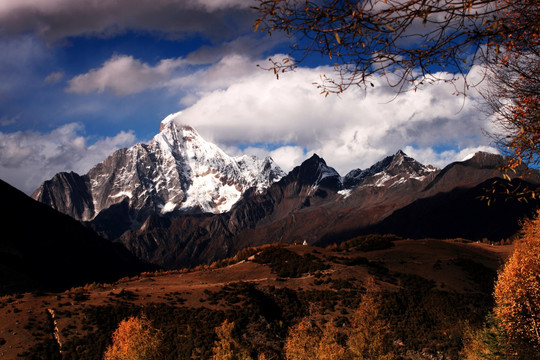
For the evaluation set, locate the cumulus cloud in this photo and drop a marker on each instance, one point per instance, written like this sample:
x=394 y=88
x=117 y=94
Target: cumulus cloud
x=29 y=158
x=124 y=75
x=288 y=156
x=247 y=111
x=58 y=19
x=441 y=159
x=350 y=131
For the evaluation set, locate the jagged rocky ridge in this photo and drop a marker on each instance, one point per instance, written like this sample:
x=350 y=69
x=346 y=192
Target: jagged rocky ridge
x=311 y=204
x=399 y=166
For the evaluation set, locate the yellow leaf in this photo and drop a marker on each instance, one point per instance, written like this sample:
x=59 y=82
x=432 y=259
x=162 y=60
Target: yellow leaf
x=257 y=23
x=338 y=39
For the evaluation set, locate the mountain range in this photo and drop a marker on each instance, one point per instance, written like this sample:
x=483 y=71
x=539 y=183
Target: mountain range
x=181 y=201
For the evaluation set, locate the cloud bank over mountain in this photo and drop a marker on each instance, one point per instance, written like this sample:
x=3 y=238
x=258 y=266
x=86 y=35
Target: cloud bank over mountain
x=26 y=158
x=105 y=74
x=286 y=119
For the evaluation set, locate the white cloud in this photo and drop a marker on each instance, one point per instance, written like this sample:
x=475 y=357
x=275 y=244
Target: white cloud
x=29 y=158
x=246 y=110
x=124 y=75
x=287 y=157
x=352 y=130
x=443 y=158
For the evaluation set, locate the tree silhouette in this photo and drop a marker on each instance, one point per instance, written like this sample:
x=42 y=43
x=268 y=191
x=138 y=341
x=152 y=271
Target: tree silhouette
x=405 y=40
x=514 y=85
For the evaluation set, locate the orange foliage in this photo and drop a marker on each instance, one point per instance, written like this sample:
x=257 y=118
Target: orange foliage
x=517 y=292
x=329 y=348
x=368 y=335
x=302 y=341
x=226 y=348
x=135 y=339
x=306 y=341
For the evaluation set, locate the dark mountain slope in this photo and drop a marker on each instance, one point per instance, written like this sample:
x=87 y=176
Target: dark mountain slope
x=470 y=173
x=460 y=213
x=43 y=249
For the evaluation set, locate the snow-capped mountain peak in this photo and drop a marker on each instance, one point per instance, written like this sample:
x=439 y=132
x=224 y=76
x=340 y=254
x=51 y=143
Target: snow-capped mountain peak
x=212 y=180
x=177 y=170
x=392 y=170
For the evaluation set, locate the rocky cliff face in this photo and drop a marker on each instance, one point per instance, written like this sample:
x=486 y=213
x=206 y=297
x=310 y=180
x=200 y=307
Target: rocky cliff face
x=178 y=171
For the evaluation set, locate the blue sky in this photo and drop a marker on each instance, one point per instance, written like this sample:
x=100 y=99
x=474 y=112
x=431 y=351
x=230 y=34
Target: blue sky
x=81 y=79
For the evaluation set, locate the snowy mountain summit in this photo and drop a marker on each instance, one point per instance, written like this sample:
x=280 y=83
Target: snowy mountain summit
x=204 y=176
x=177 y=171
x=390 y=171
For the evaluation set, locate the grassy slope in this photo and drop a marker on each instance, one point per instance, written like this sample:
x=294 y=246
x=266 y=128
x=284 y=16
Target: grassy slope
x=431 y=288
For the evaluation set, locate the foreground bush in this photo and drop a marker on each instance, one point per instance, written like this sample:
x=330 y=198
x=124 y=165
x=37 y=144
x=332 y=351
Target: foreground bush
x=517 y=293
x=135 y=339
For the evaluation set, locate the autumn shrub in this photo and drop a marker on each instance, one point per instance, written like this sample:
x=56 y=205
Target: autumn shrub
x=80 y=295
x=308 y=340
x=126 y=295
x=517 y=292
x=354 y=261
x=226 y=347
x=135 y=339
x=486 y=343
x=424 y=317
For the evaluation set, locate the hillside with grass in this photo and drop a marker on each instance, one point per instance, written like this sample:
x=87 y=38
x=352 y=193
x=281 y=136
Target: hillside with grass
x=429 y=293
